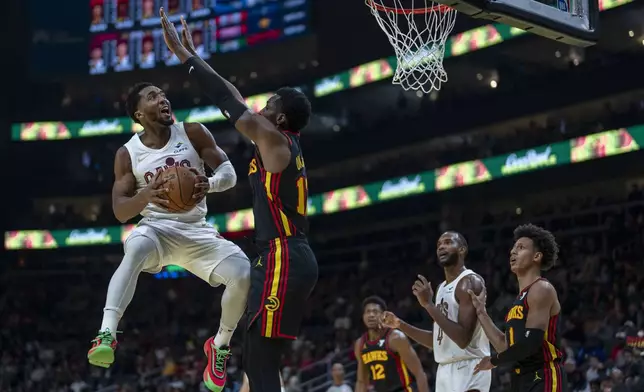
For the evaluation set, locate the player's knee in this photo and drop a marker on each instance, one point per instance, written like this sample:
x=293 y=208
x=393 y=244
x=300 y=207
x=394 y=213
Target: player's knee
x=234 y=272
x=138 y=250
x=243 y=276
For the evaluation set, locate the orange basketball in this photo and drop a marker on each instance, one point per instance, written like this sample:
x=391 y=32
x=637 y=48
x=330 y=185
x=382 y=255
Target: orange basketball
x=180 y=182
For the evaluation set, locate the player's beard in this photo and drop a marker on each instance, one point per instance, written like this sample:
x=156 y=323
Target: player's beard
x=451 y=260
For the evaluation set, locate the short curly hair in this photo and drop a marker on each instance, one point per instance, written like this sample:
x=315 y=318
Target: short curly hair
x=544 y=241
x=374 y=299
x=132 y=100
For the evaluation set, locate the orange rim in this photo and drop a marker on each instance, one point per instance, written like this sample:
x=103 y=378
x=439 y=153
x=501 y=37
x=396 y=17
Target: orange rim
x=407 y=11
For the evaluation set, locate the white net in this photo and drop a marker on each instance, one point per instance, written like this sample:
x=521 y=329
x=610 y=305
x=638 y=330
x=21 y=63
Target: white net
x=417 y=30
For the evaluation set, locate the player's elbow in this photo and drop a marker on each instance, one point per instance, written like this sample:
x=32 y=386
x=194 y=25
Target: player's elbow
x=463 y=343
x=119 y=214
x=120 y=217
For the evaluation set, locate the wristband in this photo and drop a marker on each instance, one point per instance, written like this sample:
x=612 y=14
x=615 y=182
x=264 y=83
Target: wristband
x=223 y=178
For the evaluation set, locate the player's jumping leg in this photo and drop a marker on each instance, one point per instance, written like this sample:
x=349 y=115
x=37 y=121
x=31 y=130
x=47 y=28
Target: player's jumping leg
x=262 y=359
x=120 y=292
x=234 y=272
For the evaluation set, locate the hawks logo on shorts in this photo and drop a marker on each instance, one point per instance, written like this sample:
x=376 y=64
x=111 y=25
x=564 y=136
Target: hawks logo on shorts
x=272 y=303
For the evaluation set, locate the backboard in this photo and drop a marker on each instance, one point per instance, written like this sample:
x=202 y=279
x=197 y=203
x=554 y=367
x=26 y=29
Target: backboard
x=574 y=22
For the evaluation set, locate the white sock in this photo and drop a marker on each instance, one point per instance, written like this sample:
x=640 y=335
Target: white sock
x=111 y=320
x=223 y=336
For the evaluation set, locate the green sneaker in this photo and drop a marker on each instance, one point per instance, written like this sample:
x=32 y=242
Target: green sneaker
x=214 y=376
x=102 y=351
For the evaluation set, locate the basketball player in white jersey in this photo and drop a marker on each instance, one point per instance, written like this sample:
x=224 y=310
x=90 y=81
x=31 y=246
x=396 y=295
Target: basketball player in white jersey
x=458 y=340
x=161 y=237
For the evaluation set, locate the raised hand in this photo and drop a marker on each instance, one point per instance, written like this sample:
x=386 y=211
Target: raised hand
x=171 y=38
x=423 y=291
x=390 y=320
x=186 y=38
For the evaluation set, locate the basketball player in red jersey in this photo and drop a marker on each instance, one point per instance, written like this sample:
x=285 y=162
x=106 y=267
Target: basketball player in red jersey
x=531 y=339
x=386 y=359
x=284 y=274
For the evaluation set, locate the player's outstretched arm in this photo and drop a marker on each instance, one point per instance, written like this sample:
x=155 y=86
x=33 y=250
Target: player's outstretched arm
x=421 y=336
x=400 y=344
x=223 y=176
x=126 y=203
x=272 y=145
x=362 y=382
x=541 y=298
x=496 y=337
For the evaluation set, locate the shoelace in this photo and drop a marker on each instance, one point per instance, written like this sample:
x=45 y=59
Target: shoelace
x=220 y=359
x=105 y=337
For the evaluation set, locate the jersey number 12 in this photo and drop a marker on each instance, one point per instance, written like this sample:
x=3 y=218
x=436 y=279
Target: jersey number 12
x=377 y=372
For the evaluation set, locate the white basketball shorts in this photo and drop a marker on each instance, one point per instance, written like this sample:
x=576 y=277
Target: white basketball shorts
x=198 y=247
x=459 y=377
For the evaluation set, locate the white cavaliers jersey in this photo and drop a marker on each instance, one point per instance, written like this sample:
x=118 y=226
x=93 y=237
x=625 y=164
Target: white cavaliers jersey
x=445 y=349
x=146 y=162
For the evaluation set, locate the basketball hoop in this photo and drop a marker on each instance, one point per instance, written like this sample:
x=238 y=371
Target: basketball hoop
x=418 y=31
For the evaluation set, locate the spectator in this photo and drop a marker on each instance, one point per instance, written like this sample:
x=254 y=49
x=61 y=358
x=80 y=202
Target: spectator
x=337 y=374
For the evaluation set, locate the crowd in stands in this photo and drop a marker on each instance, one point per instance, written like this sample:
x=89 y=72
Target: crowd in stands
x=49 y=316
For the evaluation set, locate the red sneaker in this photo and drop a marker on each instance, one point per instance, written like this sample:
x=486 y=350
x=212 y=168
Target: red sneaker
x=215 y=374
x=102 y=351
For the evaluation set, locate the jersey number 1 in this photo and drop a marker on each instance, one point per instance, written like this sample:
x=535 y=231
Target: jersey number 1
x=377 y=372
x=511 y=336
x=302 y=192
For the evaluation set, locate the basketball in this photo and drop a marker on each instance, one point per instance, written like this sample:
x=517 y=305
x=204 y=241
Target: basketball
x=180 y=182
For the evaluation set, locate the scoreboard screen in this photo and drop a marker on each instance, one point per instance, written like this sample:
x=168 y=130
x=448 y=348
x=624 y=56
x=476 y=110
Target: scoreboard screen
x=127 y=35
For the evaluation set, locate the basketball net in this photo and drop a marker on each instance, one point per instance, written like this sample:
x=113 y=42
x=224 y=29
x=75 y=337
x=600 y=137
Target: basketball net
x=418 y=35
